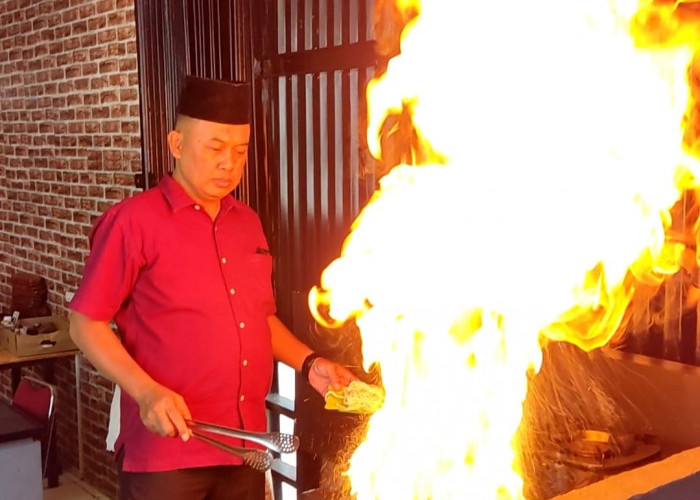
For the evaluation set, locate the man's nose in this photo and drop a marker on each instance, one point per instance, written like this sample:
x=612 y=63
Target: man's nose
x=227 y=161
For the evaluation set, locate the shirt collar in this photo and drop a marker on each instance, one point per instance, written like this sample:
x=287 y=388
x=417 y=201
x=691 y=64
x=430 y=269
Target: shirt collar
x=178 y=199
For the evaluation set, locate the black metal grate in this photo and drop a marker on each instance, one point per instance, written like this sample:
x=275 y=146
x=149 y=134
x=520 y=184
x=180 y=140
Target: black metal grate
x=206 y=38
x=312 y=62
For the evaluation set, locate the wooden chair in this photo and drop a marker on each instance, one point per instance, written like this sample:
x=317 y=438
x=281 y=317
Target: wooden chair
x=37 y=399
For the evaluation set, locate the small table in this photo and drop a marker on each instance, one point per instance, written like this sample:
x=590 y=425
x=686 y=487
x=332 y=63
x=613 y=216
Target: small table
x=11 y=361
x=20 y=455
x=14 y=362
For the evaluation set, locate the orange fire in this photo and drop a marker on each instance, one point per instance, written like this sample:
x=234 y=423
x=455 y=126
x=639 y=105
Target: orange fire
x=553 y=145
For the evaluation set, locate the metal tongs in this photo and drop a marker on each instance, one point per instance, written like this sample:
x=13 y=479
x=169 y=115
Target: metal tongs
x=257 y=459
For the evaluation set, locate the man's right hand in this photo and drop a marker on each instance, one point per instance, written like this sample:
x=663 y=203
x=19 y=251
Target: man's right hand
x=164 y=412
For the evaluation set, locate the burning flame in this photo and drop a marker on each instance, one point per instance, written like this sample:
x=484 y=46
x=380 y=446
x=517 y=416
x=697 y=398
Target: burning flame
x=549 y=138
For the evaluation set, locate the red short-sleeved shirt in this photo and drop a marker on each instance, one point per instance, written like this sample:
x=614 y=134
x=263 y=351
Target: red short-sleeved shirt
x=190 y=297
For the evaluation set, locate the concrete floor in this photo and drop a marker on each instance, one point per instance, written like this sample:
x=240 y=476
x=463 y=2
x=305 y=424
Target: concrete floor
x=71 y=488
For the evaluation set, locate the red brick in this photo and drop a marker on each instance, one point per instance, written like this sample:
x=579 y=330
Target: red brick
x=102 y=112
x=116 y=18
x=89 y=69
x=79 y=27
x=39 y=24
x=124 y=180
x=118 y=80
x=118 y=110
x=103 y=6
x=127 y=64
x=71 y=43
x=128 y=94
x=87 y=10
x=106 y=36
x=43 y=76
x=96 y=24
x=96 y=192
x=74 y=100
x=53 y=20
x=81 y=217
x=92 y=127
x=61 y=58
x=31 y=38
x=99 y=82
x=108 y=66
x=48 y=175
x=89 y=39
x=98 y=53
x=81 y=83
x=73 y=71
x=116 y=49
x=103 y=205
x=69 y=176
x=82 y=113
x=68 y=16
x=67 y=114
x=130 y=127
x=110 y=127
x=127 y=33
x=120 y=141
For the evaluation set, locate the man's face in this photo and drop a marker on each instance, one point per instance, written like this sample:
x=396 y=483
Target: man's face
x=210 y=157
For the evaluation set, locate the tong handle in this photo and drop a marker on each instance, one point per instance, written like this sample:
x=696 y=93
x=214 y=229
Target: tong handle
x=226 y=431
x=281 y=443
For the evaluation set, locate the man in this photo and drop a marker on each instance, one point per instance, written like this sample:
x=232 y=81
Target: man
x=184 y=271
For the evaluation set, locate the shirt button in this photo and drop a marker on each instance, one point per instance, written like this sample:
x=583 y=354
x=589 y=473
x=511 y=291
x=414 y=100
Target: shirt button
x=241 y=324
x=197 y=207
x=223 y=260
x=232 y=291
x=245 y=362
x=242 y=397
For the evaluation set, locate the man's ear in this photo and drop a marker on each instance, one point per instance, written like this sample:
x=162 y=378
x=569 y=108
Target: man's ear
x=175 y=143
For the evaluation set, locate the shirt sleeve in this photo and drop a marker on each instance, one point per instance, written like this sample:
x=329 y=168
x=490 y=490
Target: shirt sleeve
x=112 y=267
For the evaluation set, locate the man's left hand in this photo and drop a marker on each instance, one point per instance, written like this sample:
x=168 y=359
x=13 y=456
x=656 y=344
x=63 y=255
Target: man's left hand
x=325 y=374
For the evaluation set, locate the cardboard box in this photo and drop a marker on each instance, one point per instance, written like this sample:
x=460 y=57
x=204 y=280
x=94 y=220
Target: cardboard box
x=54 y=337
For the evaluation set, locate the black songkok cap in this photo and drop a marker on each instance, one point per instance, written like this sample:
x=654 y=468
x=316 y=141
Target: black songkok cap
x=216 y=100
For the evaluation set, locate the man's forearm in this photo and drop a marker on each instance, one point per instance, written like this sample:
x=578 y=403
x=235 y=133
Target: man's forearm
x=285 y=346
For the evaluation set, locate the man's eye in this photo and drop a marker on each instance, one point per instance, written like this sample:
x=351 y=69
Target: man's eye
x=215 y=149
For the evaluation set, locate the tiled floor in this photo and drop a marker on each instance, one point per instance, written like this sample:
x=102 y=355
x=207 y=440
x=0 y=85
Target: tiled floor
x=71 y=488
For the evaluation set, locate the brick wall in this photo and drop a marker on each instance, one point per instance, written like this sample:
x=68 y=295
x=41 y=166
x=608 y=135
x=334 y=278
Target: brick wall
x=69 y=148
